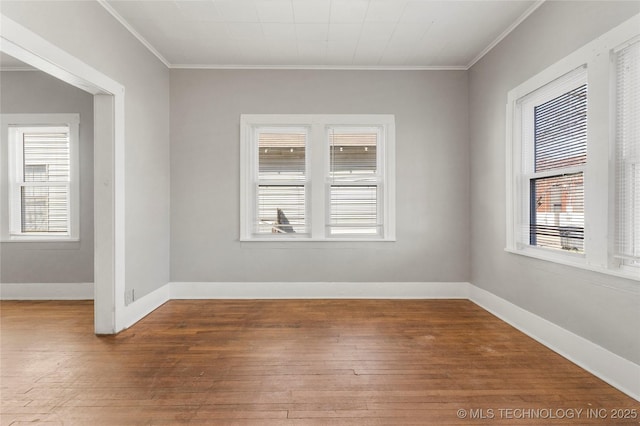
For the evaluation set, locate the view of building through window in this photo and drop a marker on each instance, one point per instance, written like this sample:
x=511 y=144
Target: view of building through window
x=353 y=175
x=557 y=192
x=281 y=175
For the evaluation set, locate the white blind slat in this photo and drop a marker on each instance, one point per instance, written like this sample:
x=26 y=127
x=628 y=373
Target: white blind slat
x=353 y=154
x=354 y=210
x=353 y=158
x=46 y=176
x=627 y=242
x=281 y=209
x=280 y=190
x=281 y=155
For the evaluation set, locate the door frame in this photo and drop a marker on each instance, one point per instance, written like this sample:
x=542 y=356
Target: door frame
x=109 y=171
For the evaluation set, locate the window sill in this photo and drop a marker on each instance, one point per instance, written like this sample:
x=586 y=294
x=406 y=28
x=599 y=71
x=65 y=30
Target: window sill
x=315 y=244
x=39 y=239
x=316 y=240
x=576 y=261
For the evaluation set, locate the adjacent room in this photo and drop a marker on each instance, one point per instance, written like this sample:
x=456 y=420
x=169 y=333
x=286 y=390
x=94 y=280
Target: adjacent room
x=319 y=212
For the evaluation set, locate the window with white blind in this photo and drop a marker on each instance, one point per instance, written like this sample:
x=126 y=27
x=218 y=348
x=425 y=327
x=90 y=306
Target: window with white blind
x=567 y=200
x=627 y=134
x=355 y=181
x=317 y=177
x=554 y=156
x=42 y=177
x=281 y=181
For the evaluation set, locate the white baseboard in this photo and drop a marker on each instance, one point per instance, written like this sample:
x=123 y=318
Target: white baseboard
x=46 y=291
x=319 y=290
x=620 y=373
x=142 y=307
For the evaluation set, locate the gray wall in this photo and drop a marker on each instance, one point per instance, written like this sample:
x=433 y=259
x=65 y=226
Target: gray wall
x=432 y=180
x=68 y=262
x=601 y=308
x=87 y=31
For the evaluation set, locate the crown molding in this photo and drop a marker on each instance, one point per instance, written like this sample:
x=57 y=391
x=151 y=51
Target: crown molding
x=9 y=69
x=506 y=32
x=168 y=64
x=319 y=67
x=136 y=34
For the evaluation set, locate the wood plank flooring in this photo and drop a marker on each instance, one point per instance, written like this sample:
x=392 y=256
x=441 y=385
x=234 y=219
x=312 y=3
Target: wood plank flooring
x=291 y=362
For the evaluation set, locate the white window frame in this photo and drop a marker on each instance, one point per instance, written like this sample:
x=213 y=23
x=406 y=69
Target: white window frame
x=11 y=126
x=524 y=118
x=317 y=184
x=599 y=172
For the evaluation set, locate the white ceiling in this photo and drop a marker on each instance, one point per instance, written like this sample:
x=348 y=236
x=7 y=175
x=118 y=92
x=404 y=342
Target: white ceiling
x=398 y=34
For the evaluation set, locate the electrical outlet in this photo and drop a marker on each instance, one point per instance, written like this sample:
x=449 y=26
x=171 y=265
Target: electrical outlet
x=129 y=296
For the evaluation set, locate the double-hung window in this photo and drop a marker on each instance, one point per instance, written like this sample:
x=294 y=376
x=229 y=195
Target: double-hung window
x=42 y=172
x=554 y=156
x=317 y=177
x=573 y=158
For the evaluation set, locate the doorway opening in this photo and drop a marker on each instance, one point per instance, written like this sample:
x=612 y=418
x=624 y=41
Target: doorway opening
x=108 y=106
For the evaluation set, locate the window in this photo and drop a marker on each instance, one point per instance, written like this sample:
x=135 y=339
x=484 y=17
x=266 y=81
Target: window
x=355 y=181
x=317 y=177
x=281 y=182
x=42 y=177
x=567 y=202
x=554 y=139
x=627 y=92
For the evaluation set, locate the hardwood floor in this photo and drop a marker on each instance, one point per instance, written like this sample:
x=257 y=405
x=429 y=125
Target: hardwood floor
x=290 y=362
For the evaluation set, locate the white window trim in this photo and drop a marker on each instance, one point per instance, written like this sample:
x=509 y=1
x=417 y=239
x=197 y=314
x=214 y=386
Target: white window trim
x=317 y=172
x=599 y=178
x=9 y=212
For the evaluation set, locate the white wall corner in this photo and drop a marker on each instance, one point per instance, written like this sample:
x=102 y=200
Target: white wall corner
x=620 y=373
x=46 y=291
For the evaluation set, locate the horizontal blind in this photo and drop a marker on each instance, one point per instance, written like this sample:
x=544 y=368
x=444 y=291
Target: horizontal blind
x=46 y=157
x=354 y=210
x=354 y=182
x=557 y=204
x=628 y=153
x=281 y=155
x=46 y=172
x=280 y=189
x=560 y=127
x=556 y=216
x=281 y=209
x=353 y=154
